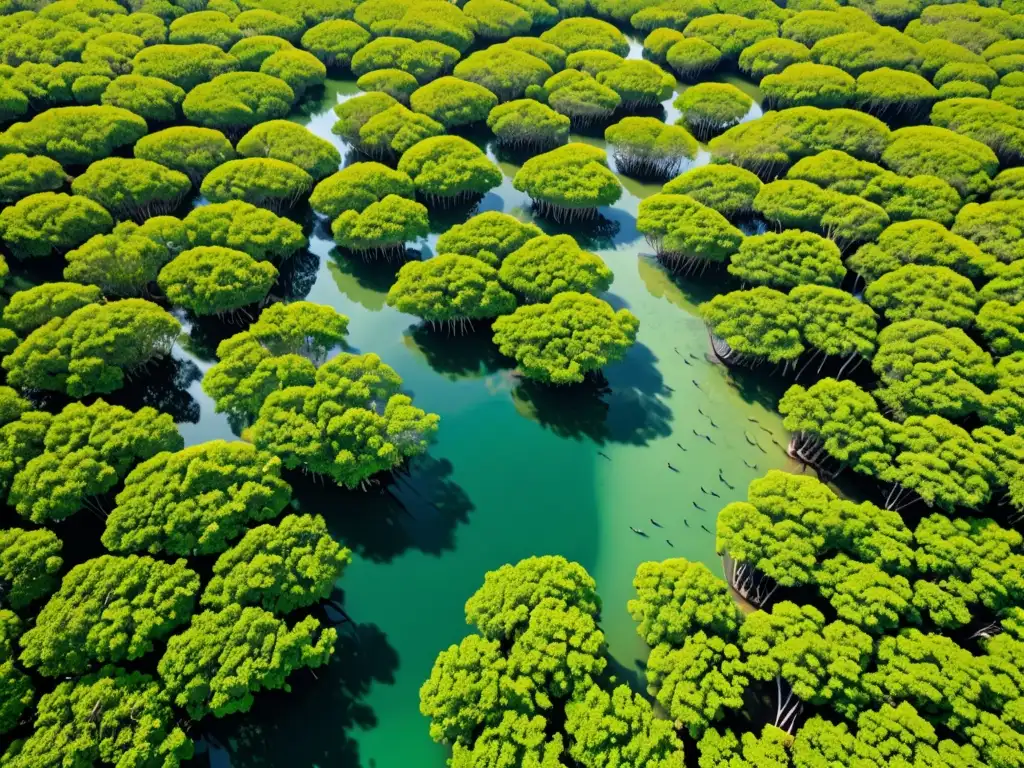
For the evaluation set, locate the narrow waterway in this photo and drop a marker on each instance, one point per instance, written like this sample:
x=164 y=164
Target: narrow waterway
x=517 y=470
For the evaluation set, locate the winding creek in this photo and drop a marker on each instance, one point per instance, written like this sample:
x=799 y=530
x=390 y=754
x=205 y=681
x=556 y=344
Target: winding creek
x=516 y=470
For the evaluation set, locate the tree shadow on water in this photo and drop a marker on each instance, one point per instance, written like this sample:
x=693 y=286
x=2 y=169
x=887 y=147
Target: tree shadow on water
x=297 y=276
x=164 y=386
x=625 y=406
x=419 y=508
x=365 y=281
x=470 y=355
x=310 y=725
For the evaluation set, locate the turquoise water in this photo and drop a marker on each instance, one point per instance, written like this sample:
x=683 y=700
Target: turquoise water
x=516 y=470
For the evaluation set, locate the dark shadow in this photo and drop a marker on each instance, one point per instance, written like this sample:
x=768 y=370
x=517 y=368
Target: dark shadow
x=326 y=700
x=761 y=384
x=418 y=508
x=470 y=355
x=444 y=217
x=164 y=386
x=626 y=406
x=597 y=233
x=370 y=280
x=206 y=333
x=296 y=276
x=698 y=287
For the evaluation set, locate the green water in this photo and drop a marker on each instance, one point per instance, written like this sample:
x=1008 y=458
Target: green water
x=515 y=471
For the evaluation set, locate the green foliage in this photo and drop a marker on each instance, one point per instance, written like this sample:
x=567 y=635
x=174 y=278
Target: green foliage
x=690 y=57
x=995 y=227
x=1001 y=325
x=586 y=34
x=619 y=729
x=91 y=349
x=865 y=595
x=730 y=33
x=966 y=71
x=299 y=69
x=810 y=26
x=698 y=682
x=154 y=99
x=357 y=186
x=450 y=288
x=354 y=113
x=771 y=56
x=273 y=184
x=251 y=52
x=193 y=151
x=528 y=123
x=918 y=242
x=12 y=405
x=424 y=60
x=264 y=22
x=349 y=425
x=497 y=19
x=775 y=141
x=966 y=164
x=725 y=188
x=684 y=231
x=395 y=83
x=279 y=568
x=857 y=52
x=108 y=609
x=210 y=27
x=1007 y=285
x=645 y=146
x=833 y=321
x=996 y=125
x=756 y=324
x=111 y=717
x=577 y=95
x=926 y=293
x=186 y=66
x=36 y=306
x=809 y=84
x=707 y=109
x=396 y=130
x=299 y=328
x=21 y=175
x=133 y=188
x=242 y=226
x=489 y=237
x=546 y=52
x=436 y=20
x=204 y=665
x=382 y=227
x=568 y=180
x=235 y=101
x=126 y=261
x=845 y=218
x=677 y=597
x=640 y=84
x=548 y=265
x=563 y=341
x=503 y=70
x=926 y=368
x=212 y=280
x=453 y=102
x=788 y=259
x=77 y=135
x=501 y=608
x=293 y=143
x=29 y=563
x=196 y=500
x=449 y=168
x=334 y=42
x=45 y=222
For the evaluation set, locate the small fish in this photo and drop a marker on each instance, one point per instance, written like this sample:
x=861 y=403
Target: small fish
x=676 y=349
x=698 y=506
x=655 y=522
x=669 y=388
x=705 y=527
x=703 y=490
x=714 y=494
x=751 y=418
x=712 y=422
x=708 y=438
x=637 y=531
x=701 y=412
x=729 y=486
x=776 y=442
x=763 y=450
x=749 y=465
x=680 y=447
x=671 y=467
x=698 y=434
x=602 y=453
x=687 y=522
x=749 y=439
x=670 y=543
x=696 y=384
x=687 y=361
x=765 y=429
x=693 y=356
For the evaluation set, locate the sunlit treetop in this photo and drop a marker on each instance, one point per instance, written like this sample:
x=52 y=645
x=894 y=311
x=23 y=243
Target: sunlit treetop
x=919 y=242
x=568 y=181
x=547 y=52
x=213 y=280
x=353 y=113
x=193 y=151
x=263 y=22
x=772 y=55
x=639 y=83
x=453 y=102
x=593 y=62
x=449 y=169
x=995 y=227
x=184 y=65
x=809 y=84
x=578 y=95
x=245 y=227
x=548 y=265
x=857 y=52
x=1008 y=185
x=132 y=188
x=395 y=83
x=212 y=27
x=273 y=184
x=645 y=146
x=301 y=70
x=77 y=135
x=833 y=321
x=21 y=175
x=236 y=101
x=357 y=186
x=728 y=189
x=382 y=228
x=755 y=324
x=580 y=34
x=689 y=57
x=45 y=222
x=993 y=123
x=888 y=91
x=730 y=33
x=291 y=142
x=707 y=109
x=810 y=26
x=528 y=123
x=251 y=51
x=424 y=60
x=563 y=341
x=335 y=41
x=394 y=131
x=925 y=292
x=503 y=70
x=966 y=164
x=686 y=232
x=451 y=290
x=29 y=564
x=31 y=308
x=788 y=259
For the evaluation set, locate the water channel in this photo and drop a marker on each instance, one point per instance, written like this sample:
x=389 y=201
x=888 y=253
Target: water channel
x=516 y=470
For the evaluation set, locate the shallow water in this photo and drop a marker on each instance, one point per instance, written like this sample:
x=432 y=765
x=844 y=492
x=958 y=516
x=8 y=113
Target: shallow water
x=516 y=470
